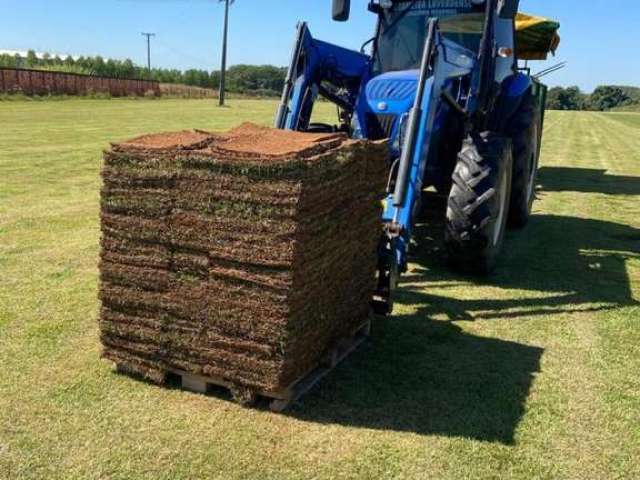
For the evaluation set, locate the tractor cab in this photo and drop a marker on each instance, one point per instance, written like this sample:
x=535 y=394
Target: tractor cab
x=401 y=31
x=398 y=46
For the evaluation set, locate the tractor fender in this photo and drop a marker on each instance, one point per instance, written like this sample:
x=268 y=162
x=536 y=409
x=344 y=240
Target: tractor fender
x=517 y=85
x=514 y=89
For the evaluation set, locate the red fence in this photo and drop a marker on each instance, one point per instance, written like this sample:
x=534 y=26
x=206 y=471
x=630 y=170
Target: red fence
x=39 y=82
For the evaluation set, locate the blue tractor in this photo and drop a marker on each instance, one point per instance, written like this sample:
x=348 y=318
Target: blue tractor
x=443 y=85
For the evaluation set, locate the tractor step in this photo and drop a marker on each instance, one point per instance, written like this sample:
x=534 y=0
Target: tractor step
x=282 y=399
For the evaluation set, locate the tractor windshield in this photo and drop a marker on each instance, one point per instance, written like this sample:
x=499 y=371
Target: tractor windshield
x=403 y=31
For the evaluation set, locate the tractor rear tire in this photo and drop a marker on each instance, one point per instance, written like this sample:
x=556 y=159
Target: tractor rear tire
x=478 y=205
x=523 y=128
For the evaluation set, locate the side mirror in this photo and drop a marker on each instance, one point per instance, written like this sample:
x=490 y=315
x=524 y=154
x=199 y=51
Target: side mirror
x=508 y=8
x=340 y=10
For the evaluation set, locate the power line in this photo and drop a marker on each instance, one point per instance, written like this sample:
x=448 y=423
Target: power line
x=179 y=53
x=148 y=35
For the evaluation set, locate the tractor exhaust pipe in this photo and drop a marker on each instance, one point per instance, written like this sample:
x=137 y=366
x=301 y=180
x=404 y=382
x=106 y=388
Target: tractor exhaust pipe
x=283 y=108
x=408 y=147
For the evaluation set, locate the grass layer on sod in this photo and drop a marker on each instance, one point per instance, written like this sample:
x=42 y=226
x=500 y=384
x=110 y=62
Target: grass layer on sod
x=205 y=310
x=532 y=373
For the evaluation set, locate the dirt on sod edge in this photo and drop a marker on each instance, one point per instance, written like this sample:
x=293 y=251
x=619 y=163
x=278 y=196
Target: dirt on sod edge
x=243 y=256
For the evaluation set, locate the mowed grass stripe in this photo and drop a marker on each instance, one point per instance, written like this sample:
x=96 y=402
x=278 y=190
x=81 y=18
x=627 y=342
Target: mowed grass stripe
x=528 y=374
x=608 y=151
x=629 y=119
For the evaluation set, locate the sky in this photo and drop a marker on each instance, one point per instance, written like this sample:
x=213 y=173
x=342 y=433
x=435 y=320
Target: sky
x=600 y=38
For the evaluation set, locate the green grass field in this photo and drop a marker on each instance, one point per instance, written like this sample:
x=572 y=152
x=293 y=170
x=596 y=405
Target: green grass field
x=532 y=373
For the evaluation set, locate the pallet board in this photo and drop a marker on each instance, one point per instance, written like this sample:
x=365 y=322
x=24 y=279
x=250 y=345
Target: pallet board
x=283 y=399
x=342 y=350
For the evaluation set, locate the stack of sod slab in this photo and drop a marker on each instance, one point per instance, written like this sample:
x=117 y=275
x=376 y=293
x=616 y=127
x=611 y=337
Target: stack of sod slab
x=242 y=256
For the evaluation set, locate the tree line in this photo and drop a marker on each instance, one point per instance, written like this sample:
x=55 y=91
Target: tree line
x=269 y=80
x=250 y=79
x=603 y=98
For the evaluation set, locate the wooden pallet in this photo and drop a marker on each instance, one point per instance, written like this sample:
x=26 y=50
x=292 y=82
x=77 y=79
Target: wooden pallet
x=342 y=350
x=280 y=400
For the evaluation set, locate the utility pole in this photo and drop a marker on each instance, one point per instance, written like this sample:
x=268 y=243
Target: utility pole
x=148 y=35
x=223 y=69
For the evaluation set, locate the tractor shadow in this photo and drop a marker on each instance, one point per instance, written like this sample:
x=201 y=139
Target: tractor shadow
x=568 y=264
x=587 y=180
x=423 y=374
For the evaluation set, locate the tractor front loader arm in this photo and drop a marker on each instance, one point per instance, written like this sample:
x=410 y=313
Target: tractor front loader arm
x=292 y=74
x=415 y=118
x=442 y=61
x=314 y=64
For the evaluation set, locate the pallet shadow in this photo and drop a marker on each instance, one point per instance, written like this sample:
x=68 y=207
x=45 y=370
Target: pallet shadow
x=430 y=378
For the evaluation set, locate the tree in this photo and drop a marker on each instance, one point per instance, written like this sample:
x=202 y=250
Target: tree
x=192 y=77
x=214 y=79
x=9 y=61
x=32 y=58
x=127 y=69
x=553 y=98
x=570 y=98
x=607 y=97
x=97 y=65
